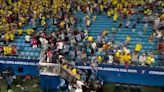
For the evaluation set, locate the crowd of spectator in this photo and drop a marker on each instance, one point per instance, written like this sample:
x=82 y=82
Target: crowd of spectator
x=75 y=43
x=81 y=81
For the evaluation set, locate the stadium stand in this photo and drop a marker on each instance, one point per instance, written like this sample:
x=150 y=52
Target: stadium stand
x=118 y=32
x=126 y=29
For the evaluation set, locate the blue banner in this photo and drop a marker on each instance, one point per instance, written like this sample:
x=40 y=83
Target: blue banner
x=132 y=75
x=19 y=61
x=30 y=67
x=110 y=73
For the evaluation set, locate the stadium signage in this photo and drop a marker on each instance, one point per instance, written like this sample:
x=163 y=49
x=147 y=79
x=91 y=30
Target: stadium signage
x=18 y=62
x=156 y=73
x=109 y=69
x=124 y=70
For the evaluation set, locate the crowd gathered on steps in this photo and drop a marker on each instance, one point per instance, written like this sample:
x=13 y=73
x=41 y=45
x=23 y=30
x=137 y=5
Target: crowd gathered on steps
x=80 y=81
x=75 y=43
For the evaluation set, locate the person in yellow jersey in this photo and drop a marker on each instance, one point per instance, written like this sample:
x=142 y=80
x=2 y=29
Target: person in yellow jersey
x=101 y=7
x=138 y=47
x=90 y=38
x=114 y=2
x=65 y=66
x=122 y=60
x=29 y=31
x=115 y=17
x=62 y=24
x=68 y=7
x=20 y=31
x=125 y=11
x=109 y=13
x=7 y=37
x=5 y=48
x=22 y=19
x=150 y=60
x=94 y=18
x=12 y=36
x=9 y=50
x=74 y=71
x=117 y=57
x=99 y=59
x=43 y=21
x=78 y=75
x=20 y=24
x=128 y=39
x=162 y=16
x=127 y=58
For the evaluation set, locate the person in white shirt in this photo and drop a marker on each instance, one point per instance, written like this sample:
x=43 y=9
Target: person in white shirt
x=78 y=89
x=44 y=43
x=159 y=34
x=88 y=10
x=60 y=45
x=88 y=22
x=27 y=38
x=86 y=34
x=145 y=27
x=142 y=59
x=94 y=45
x=110 y=61
x=152 y=59
x=156 y=23
x=79 y=86
x=78 y=37
x=127 y=24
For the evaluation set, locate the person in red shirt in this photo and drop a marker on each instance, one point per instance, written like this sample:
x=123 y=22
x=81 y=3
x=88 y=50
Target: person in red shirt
x=49 y=56
x=43 y=35
x=34 y=43
x=14 y=50
x=1 y=49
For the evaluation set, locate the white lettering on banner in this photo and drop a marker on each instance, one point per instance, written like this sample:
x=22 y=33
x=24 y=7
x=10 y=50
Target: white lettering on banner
x=156 y=72
x=9 y=62
x=18 y=62
x=2 y=61
x=109 y=69
x=84 y=67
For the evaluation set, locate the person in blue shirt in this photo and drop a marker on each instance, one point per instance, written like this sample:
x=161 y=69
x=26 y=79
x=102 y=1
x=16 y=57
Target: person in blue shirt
x=62 y=86
x=8 y=81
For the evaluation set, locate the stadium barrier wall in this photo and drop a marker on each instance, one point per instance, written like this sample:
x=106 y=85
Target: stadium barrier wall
x=110 y=73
